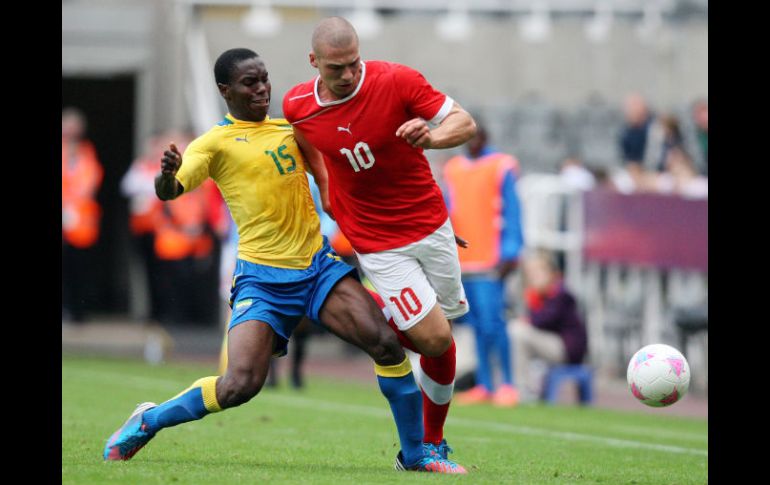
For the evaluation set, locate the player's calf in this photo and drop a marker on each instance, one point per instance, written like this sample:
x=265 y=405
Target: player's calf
x=238 y=387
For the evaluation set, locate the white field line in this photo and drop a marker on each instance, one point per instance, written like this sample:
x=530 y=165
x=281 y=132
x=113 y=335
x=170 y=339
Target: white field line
x=172 y=386
x=659 y=433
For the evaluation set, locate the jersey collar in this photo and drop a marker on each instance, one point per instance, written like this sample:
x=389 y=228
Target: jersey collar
x=339 y=101
x=231 y=120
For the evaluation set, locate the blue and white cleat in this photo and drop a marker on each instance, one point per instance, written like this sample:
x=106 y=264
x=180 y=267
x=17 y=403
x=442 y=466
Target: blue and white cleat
x=131 y=437
x=430 y=463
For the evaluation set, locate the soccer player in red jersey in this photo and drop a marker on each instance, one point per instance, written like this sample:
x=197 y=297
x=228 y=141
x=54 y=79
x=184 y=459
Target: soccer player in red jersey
x=371 y=122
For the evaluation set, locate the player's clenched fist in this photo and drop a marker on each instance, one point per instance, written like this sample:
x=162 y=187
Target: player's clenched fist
x=171 y=160
x=416 y=132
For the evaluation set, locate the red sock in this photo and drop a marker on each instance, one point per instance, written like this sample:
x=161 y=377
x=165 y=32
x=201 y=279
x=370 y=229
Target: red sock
x=441 y=370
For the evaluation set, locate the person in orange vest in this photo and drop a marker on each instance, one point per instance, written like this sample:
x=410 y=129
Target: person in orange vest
x=82 y=176
x=484 y=208
x=138 y=185
x=184 y=238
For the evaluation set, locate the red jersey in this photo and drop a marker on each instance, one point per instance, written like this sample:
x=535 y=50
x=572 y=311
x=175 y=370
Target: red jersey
x=382 y=191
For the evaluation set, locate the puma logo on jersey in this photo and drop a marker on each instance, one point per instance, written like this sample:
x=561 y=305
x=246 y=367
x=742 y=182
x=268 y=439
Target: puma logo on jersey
x=339 y=128
x=245 y=138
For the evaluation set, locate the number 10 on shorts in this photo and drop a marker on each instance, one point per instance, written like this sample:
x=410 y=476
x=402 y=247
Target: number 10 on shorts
x=408 y=302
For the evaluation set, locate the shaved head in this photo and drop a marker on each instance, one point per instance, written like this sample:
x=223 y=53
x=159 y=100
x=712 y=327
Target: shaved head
x=334 y=32
x=335 y=55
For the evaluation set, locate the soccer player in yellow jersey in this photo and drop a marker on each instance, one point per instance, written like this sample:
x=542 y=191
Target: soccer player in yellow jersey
x=285 y=268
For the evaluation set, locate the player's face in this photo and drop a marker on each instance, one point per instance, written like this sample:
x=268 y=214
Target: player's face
x=248 y=93
x=339 y=68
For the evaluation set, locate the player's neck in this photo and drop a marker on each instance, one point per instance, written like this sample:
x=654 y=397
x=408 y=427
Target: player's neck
x=246 y=117
x=325 y=94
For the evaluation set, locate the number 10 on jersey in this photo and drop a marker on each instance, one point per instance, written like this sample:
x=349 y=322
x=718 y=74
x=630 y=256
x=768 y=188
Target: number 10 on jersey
x=360 y=157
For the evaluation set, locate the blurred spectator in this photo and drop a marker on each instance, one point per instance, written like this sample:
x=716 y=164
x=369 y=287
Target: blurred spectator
x=138 y=186
x=641 y=138
x=553 y=329
x=492 y=225
x=629 y=179
x=603 y=179
x=575 y=175
x=681 y=178
x=633 y=138
x=82 y=176
x=700 y=115
x=672 y=139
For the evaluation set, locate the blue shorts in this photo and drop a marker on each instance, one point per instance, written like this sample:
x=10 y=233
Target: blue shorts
x=280 y=297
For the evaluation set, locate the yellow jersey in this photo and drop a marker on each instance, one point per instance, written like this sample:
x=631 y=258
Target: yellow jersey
x=260 y=172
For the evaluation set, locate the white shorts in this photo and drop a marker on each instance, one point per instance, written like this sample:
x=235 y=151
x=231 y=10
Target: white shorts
x=412 y=278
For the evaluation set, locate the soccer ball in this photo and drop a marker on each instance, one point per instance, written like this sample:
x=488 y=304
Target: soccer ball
x=658 y=375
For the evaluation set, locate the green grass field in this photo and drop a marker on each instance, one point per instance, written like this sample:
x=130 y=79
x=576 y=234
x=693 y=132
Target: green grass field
x=338 y=433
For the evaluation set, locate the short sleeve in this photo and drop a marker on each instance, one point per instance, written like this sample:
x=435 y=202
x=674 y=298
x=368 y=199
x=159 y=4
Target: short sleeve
x=420 y=98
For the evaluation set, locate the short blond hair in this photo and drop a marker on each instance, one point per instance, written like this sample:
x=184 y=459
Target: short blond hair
x=334 y=32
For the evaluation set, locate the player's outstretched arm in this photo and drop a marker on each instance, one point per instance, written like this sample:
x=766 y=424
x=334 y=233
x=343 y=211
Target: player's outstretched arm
x=167 y=187
x=315 y=165
x=455 y=129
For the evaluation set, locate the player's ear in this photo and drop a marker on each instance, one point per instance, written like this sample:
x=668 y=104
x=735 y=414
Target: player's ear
x=313 y=60
x=224 y=89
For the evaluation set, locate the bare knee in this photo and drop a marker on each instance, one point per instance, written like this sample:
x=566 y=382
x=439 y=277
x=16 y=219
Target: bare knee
x=385 y=348
x=435 y=344
x=432 y=335
x=238 y=387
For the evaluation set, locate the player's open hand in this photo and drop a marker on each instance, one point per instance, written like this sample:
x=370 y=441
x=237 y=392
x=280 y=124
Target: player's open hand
x=416 y=132
x=171 y=160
